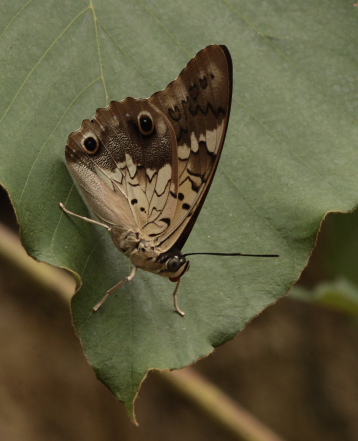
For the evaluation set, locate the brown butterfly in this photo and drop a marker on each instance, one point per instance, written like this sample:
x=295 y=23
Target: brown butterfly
x=145 y=166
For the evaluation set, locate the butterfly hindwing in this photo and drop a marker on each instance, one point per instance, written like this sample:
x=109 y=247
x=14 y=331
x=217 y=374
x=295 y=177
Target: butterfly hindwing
x=128 y=179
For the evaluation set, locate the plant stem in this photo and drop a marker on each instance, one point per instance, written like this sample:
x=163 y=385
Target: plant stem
x=212 y=401
x=45 y=275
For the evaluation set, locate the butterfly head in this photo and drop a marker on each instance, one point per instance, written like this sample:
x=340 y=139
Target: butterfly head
x=149 y=257
x=174 y=264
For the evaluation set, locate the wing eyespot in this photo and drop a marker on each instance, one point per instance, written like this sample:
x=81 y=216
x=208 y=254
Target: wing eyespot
x=90 y=145
x=146 y=123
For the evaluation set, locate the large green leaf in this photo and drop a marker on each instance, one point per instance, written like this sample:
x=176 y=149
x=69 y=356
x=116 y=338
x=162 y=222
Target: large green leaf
x=290 y=156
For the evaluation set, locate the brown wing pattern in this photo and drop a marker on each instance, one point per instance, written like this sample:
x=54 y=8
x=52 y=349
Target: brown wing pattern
x=128 y=180
x=152 y=175
x=197 y=105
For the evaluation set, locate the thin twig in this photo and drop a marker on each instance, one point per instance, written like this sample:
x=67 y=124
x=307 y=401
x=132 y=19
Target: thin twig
x=219 y=406
x=45 y=275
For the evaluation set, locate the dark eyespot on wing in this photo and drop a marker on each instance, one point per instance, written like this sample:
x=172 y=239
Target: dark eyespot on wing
x=186 y=206
x=91 y=144
x=146 y=125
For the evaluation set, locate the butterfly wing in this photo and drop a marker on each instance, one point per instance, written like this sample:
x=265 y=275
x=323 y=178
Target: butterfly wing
x=197 y=104
x=147 y=165
x=124 y=175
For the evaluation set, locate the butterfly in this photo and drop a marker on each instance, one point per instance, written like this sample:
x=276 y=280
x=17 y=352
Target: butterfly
x=145 y=166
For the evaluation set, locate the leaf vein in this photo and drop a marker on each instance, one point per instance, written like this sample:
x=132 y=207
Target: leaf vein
x=43 y=56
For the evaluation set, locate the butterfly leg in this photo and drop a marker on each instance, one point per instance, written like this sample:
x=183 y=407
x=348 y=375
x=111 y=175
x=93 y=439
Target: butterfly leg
x=175 y=295
x=115 y=287
x=91 y=221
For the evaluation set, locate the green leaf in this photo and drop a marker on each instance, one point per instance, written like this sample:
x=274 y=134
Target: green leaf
x=290 y=157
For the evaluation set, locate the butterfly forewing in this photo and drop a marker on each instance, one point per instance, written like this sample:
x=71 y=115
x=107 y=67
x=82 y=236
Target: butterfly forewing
x=197 y=105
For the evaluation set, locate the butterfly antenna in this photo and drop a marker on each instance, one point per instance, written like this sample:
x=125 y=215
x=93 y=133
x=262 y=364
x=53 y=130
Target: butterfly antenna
x=232 y=254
